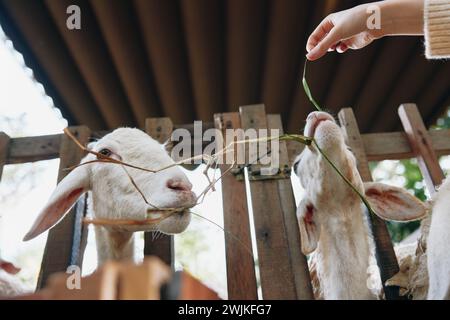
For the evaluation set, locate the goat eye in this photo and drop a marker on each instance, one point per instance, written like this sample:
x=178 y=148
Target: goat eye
x=105 y=152
x=296 y=166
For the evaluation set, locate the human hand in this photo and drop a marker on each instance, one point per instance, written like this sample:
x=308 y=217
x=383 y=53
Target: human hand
x=341 y=31
x=355 y=29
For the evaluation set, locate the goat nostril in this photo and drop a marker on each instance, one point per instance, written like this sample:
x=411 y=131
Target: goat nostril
x=179 y=185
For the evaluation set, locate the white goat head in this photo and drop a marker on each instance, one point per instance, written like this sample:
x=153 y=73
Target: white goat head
x=326 y=193
x=113 y=195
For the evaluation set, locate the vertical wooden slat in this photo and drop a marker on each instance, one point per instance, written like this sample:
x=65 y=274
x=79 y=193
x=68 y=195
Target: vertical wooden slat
x=421 y=145
x=159 y=129
x=277 y=275
x=241 y=279
x=386 y=259
x=4 y=147
x=59 y=248
x=288 y=206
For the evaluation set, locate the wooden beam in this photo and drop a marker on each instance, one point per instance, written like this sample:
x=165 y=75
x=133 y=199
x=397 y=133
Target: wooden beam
x=29 y=149
x=241 y=279
x=378 y=146
x=58 y=252
x=421 y=145
x=386 y=259
x=278 y=280
x=159 y=129
x=4 y=147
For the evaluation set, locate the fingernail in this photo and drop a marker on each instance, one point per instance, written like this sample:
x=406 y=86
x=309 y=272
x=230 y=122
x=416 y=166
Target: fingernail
x=310 y=56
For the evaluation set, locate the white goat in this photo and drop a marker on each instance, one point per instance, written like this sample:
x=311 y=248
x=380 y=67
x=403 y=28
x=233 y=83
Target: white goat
x=425 y=273
x=10 y=286
x=331 y=217
x=438 y=245
x=114 y=197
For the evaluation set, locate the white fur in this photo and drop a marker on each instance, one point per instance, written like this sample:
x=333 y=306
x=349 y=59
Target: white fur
x=331 y=216
x=10 y=285
x=343 y=248
x=439 y=245
x=112 y=195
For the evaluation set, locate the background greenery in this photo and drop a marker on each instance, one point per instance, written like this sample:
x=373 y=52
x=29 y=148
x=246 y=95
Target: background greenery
x=412 y=181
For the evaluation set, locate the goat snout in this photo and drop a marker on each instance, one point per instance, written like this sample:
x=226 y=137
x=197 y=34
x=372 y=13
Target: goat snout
x=179 y=185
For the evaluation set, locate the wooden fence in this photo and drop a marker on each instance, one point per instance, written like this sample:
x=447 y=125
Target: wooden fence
x=282 y=267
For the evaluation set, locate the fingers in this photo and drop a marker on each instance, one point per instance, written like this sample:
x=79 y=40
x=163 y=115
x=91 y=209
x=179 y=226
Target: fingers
x=319 y=33
x=330 y=40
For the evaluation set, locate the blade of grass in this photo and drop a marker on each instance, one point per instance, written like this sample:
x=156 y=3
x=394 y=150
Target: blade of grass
x=308 y=90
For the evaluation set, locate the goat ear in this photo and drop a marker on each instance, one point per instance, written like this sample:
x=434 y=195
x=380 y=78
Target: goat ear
x=309 y=228
x=63 y=198
x=393 y=203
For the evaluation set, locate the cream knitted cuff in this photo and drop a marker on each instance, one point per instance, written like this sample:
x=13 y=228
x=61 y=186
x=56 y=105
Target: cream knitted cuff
x=437 y=29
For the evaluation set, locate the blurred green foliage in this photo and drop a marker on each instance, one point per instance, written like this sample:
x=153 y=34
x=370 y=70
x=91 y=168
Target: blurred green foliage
x=414 y=183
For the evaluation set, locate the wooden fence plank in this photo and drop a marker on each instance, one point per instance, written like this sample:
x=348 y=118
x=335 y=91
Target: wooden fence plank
x=59 y=248
x=386 y=259
x=421 y=145
x=29 y=149
x=277 y=276
x=4 y=149
x=241 y=279
x=159 y=129
x=378 y=146
x=289 y=208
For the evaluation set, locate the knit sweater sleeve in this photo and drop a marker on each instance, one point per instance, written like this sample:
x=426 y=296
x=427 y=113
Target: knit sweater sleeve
x=437 y=29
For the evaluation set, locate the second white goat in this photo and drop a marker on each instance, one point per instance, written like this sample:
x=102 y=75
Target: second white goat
x=331 y=215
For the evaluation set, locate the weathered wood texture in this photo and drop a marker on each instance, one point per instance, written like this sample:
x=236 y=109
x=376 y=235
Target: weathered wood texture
x=278 y=280
x=149 y=280
x=421 y=145
x=4 y=147
x=59 y=249
x=241 y=279
x=386 y=259
x=159 y=129
x=378 y=146
x=289 y=208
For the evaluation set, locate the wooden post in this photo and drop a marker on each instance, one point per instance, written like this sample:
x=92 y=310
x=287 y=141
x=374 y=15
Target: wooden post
x=4 y=149
x=270 y=211
x=159 y=129
x=60 y=250
x=385 y=254
x=241 y=279
x=421 y=146
x=289 y=208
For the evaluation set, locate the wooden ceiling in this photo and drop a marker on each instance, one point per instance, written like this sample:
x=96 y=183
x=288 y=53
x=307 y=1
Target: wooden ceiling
x=189 y=59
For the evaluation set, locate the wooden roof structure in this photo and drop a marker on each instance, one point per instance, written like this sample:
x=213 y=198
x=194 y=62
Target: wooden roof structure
x=190 y=59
